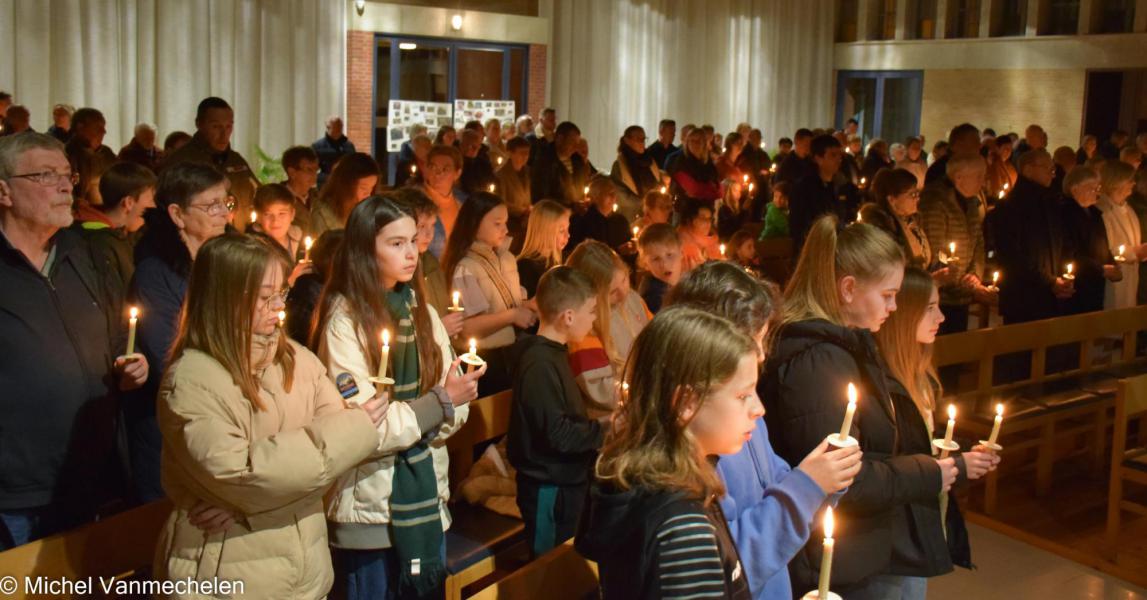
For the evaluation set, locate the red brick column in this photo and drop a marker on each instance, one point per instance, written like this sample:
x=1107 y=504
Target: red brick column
x=537 y=84
x=360 y=89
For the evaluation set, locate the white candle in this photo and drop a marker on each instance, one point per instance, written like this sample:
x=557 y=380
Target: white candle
x=751 y=186
x=951 y=425
x=131 y=322
x=722 y=250
x=848 y=413
x=636 y=230
x=826 y=560
x=307 y=243
x=585 y=191
x=952 y=249
x=499 y=161
x=1122 y=249
x=492 y=188
x=385 y=354
x=1069 y=275
x=413 y=169
x=457 y=298
x=282 y=318
x=863 y=181
x=473 y=347
x=614 y=207
x=996 y=425
x=1001 y=194
x=254 y=217
x=995 y=278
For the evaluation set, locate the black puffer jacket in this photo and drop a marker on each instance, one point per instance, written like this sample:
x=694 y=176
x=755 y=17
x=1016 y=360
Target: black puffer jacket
x=804 y=391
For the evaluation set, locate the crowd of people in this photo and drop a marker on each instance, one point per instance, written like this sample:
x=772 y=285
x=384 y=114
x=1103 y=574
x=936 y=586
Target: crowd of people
x=175 y=328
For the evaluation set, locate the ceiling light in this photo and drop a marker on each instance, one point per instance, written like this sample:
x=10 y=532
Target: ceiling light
x=408 y=46
x=456 y=22
x=360 y=6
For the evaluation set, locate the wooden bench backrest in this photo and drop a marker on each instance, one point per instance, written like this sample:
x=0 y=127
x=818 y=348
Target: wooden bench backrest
x=489 y=418
x=1130 y=402
x=560 y=574
x=982 y=345
x=114 y=547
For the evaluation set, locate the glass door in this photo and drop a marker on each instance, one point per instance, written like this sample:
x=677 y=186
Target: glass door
x=886 y=104
x=439 y=70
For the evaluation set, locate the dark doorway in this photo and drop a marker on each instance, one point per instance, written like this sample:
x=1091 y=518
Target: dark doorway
x=1104 y=91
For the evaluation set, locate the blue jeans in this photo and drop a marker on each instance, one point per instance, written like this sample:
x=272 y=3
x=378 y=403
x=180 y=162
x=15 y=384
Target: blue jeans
x=368 y=574
x=20 y=526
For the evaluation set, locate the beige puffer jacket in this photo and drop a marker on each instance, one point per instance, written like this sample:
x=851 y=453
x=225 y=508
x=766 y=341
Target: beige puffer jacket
x=271 y=468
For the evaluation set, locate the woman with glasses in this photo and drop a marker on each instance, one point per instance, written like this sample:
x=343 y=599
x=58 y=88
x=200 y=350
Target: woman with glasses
x=254 y=433
x=893 y=209
x=443 y=168
x=192 y=207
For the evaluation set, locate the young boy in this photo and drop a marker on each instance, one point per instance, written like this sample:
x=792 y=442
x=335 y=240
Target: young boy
x=551 y=441
x=660 y=252
x=127 y=190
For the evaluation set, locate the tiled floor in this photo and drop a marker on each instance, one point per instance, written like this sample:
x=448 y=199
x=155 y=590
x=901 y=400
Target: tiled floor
x=1012 y=570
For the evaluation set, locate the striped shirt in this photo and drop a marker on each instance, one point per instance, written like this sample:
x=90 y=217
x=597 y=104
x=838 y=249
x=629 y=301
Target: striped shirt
x=695 y=558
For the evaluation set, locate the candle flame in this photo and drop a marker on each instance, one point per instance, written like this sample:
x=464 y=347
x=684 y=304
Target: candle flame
x=254 y=216
x=492 y=188
x=1006 y=186
x=134 y=312
x=995 y=277
x=829 y=522
x=473 y=346
x=1001 y=194
x=386 y=337
x=499 y=161
x=862 y=180
x=722 y=249
x=457 y=297
x=1070 y=266
x=1121 y=249
x=585 y=190
x=308 y=242
x=999 y=410
x=773 y=169
x=751 y=188
x=851 y=393
x=282 y=317
x=636 y=229
x=664 y=189
x=951 y=412
x=413 y=169
x=614 y=207
x=952 y=247
x=625 y=387
x=745 y=179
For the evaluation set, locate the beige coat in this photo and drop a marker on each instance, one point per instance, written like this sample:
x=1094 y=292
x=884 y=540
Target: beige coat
x=271 y=468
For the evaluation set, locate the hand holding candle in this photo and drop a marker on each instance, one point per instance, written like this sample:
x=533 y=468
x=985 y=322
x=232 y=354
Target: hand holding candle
x=1122 y=256
x=471 y=358
x=131 y=323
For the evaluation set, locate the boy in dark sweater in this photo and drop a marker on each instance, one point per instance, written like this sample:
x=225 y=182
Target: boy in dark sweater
x=660 y=255
x=551 y=441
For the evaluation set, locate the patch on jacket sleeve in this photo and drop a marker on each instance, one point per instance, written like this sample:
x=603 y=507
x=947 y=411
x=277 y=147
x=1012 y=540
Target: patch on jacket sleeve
x=346 y=385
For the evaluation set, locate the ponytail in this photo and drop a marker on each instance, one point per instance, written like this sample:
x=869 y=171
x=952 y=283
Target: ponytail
x=858 y=250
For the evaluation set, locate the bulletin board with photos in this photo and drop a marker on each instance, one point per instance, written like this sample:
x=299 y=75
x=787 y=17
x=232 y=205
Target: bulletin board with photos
x=403 y=114
x=484 y=110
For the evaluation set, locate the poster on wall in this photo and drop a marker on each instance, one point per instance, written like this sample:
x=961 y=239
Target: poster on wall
x=484 y=110
x=402 y=114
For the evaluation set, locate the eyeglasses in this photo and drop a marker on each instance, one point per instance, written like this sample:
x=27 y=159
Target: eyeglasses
x=49 y=178
x=217 y=208
x=280 y=295
x=439 y=170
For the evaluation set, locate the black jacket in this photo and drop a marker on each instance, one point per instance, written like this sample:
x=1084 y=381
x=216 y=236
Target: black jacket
x=919 y=548
x=659 y=152
x=812 y=198
x=477 y=175
x=550 y=439
x=613 y=231
x=619 y=530
x=1085 y=244
x=550 y=180
x=794 y=168
x=1028 y=232
x=803 y=388
x=59 y=336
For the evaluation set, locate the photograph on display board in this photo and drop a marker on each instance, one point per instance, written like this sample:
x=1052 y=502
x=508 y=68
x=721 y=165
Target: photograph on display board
x=405 y=113
x=484 y=110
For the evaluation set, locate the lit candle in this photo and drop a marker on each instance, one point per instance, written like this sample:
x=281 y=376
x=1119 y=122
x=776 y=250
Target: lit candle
x=951 y=429
x=585 y=191
x=773 y=169
x=385 y=354
x=995 y=278
x=996 y=425
x=457 y=297
x=1001 y=194
x=492 y=188
x=848 y=413
x=1006 y=186
x=664 y=189
x=282 y=318
x=863 y=181
x=751 y=186
x=636 y=230
x=1121 y=257
x=744 y=180
x=131 y=322
x=1069 y=275
x=614 y=207
x=254 y=217
x=473 y=347
x=952 y=249
x=859 y=217
x=307 y=243
x=499 y=161
x=413 y=169
x=826 y=560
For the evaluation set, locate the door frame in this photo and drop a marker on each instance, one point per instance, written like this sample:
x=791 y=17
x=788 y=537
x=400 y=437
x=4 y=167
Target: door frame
x=843 y=76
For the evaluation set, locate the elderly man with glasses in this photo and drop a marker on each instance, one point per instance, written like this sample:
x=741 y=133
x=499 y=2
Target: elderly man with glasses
x=61 y=334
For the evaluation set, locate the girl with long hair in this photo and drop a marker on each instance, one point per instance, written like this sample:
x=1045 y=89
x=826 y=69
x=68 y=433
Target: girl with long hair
x=905 y=341
x=390 y=512
x=547 y=235
x=597 y=360
x=654 y=524
x=253 y=432
x=486 y=276
x=353 y=178
x=842 y=291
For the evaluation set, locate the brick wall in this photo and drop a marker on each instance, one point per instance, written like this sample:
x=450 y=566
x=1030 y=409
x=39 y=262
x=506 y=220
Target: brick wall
x=537 y=84
x=360 y=89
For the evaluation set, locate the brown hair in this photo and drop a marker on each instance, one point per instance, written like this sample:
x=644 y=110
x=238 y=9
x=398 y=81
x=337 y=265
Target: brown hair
x=562 y=288
x=339 y=189
x=860 y=250
x=650 y=444
x=222 y=294
x=271 y=194
x=909 y=361
x=658 y=234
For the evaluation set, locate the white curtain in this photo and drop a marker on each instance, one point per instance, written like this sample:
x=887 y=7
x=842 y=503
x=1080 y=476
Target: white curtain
x=280 y=63
x=624 y=62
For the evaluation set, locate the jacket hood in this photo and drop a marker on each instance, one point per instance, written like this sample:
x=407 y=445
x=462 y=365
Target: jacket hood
x=796 y=337
x=611 y=516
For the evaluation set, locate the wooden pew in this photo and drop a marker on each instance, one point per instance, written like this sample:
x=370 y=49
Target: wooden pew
x=1043 y=408
x=560 y=574
x=479 y=543
x=119 y=546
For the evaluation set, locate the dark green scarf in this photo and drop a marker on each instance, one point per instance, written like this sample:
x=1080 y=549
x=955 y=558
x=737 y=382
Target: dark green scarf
x=415 y=522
